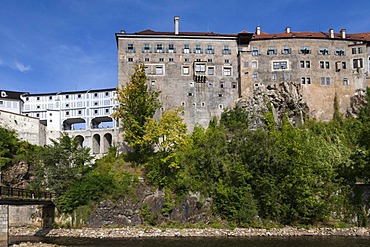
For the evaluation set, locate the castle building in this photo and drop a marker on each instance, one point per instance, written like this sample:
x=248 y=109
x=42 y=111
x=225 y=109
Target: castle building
x=11 y=101
x=85 y=115
x=206 y=72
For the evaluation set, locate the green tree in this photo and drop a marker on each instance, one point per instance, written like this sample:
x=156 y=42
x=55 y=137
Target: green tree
x=136 y=105
x=8 y=146
x=62 y=163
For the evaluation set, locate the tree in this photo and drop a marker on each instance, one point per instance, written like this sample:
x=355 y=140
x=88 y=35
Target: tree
x=136 y=105
x=63 y=163
x=8 y=146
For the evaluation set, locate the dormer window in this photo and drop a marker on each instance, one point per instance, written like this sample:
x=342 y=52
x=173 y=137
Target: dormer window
x=271 y=50
x=323 y=51
x=304 y=50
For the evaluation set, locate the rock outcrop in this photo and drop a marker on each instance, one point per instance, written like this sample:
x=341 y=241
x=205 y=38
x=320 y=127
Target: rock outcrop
x=283 y=98
x=357 y=101
x=17 y=175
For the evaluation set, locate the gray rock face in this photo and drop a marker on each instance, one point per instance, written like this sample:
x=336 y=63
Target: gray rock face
x=357 y=101
x=129 y=212
x=18 y=175
x=283 y=98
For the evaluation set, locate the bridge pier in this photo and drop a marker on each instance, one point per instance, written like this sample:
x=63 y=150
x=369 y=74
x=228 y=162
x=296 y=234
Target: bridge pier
x=4 y=225
x=48 y=216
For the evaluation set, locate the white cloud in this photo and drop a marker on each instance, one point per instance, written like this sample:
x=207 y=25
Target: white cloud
x=21 y=67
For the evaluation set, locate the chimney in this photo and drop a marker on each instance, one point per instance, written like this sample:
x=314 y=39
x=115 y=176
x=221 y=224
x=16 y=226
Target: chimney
x=343 y=33
x=258 y=30
x=287 y=29
x=177 y=18
x=331 y=33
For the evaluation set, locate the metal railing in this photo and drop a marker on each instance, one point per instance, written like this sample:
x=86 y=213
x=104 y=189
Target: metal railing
x=11 y=192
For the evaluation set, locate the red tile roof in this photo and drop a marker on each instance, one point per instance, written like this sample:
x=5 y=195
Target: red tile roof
x=151 y=32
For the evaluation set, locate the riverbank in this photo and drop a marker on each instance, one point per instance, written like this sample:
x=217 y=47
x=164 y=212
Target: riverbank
x=152 y=232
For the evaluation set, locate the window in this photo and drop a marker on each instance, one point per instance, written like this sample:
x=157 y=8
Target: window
x=254 y=64
x=185 y=70
x=222 y=85
x=254 y=75
x=303 y=80
x=304 y=50
x=171 y=48
x=161 y=59
x=340 y=52
x=302 y=63
x=186 y=49
x=209 y=60
x=286 y=50
x=325 y=81
x=106 y=110
x=359 y=50
x=210 y=49
x=354 y=50
x=190 y=94
x=95 y=95
x=187 y=60
x=220 y=95
x=327 y=65
x=38 y=107
x=306 y=80
x=198 y=49
x=255 y=51
x=227 y=61
x=50 y=97
x=130 y=48
x=305 y=64
x=203 y=104
x=79 y=112
x=357 y=63
x=273 y=77
x=271 y=50
x=146 y=59
x=130 y=59
x=279 y=65
x=227 y=71
x=152 y=83
x=197 y=60
x=79 y=96
x=146 y=48
x=38 y=98
x=211 y=70
x=182 y=103
x=159 y=48
x=345 y=82
x=200 y=68
x=67 y=105
x=95 y=111
x=323 y=51
x=322 y=66
x=159 y=70
x=27 y=99
x=226 y=50
x=234 y=85
x=221 y=106
x=96 y=103
x=67 y=113
x=246 y=64
x=344 y=65
x=170 y=59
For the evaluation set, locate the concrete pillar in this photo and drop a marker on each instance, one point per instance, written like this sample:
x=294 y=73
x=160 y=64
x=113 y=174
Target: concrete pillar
x=4 y=225
x=48 y=216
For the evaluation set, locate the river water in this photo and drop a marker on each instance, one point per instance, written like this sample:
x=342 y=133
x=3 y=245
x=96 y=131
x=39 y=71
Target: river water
x=205 y=242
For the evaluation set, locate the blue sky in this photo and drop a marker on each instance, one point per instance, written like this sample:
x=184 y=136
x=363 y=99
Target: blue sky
x=65 y=45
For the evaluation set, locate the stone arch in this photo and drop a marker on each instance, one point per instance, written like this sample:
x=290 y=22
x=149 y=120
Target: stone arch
x=74 y=124
x=81 y=141
x=107 y=142
x=96 y=144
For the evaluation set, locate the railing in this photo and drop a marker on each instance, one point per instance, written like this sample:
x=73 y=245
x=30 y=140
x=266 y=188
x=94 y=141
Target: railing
x=11 y=192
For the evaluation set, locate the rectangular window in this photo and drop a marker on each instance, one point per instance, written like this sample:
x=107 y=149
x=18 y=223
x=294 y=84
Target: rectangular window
x=161 y=59
x=327 y=81
x=359 y=50
x=171 y=48
x=322 y=65
x=345 y=82
x=187 y=60
x=159 y=48
x=302 y=63
x=304 y=50
x=227 y=71
x=211 y=70
x=185 y=70
x=340 y=52
x=322 y=81
x=308 y=64
x=246 y=64
x=226 y=50
x=186 y=49
x=130 y=59
x=286 y=50
x=130 y=48
x=170 y=59
x=279 y=65
x=146 y=59
x=327 y=65
x=254 y=64
x=210 y=49
x=255 y=51
x=273 y=77
x=323 y=51
x=200 y=68
x=308 y=80
x=357 y=63
x=254 y=75
x=271 y=50
x=209 y=60
x=198 y=49
x=159 y=70
x=354 y=50
x=303 y=80
x=146 y=48
x=344 y=65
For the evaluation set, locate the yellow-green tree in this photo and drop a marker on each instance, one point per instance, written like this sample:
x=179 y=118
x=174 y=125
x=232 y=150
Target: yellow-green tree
x=136 y=105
